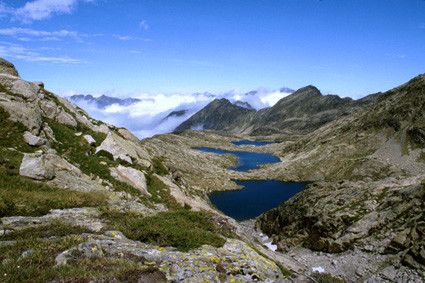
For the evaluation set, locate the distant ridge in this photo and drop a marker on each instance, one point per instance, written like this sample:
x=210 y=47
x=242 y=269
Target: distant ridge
x=220 y=114
x=300 y=112
x=103 y=101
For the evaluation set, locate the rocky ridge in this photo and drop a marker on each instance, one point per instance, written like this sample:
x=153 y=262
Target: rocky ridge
x=302 y=111
x=84 y=200
x=368 y=187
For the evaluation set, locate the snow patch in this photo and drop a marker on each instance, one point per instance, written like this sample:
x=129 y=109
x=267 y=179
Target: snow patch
x=267 y=242
x=318 y=269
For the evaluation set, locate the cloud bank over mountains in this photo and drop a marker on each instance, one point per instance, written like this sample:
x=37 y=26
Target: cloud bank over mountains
x=149 y=114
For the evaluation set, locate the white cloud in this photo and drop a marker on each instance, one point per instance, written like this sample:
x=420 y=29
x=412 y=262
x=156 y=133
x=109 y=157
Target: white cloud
x=147 y=117
x=40 y=9
x=144 y=25
x=23 y=34
x=16 y=51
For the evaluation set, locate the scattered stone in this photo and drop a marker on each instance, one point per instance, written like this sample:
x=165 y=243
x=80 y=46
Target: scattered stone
x=27 y=253
x=33 y=140
x=115 y=234
x=90 y=250
x=89 y=139
x=4 y=232
x=48 y=132
x=175 y=266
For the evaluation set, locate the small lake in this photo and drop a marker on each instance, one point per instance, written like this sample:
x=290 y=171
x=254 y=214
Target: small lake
x=246 y=160
x=254 y=143
x=257 y=197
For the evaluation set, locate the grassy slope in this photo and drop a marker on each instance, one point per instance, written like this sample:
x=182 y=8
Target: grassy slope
x=178 y=227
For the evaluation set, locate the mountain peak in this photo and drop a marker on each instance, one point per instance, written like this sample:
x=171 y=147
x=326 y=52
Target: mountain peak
x=8 y=68
x=309 y=90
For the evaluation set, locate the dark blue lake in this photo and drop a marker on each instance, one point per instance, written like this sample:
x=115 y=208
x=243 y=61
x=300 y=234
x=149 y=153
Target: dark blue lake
x=248 y=142
x=246 y=160
x=257 y=197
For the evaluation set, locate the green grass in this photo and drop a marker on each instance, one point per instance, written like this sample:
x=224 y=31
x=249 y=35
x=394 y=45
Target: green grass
x=160 y=192
x=76 y=150
x=182 y=229
x=22 y=196
x=55 y=228
x=37 y=267
x=158 y=166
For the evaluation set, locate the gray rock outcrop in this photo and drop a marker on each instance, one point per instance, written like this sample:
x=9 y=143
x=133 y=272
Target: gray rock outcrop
x=34 y=140
x=123 y=149
x=36 y=166
x=90 y=140
x=8 y=68
x=27 y=89
x=65 y=118
x=132 y=177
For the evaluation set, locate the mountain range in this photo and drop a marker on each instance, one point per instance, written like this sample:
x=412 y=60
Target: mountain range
x=298 y=113
x=83 y=200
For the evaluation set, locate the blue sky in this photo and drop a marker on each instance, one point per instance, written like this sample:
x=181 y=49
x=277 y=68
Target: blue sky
x=351 y=48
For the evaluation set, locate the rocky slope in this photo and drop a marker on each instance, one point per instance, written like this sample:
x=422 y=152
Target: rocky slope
x=303 y=111
x=81 y=200
x=369 y=190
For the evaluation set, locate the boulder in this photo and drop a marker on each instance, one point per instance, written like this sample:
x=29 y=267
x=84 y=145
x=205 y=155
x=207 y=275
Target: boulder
x=8 y=68
x=128 y=135
x=37 y=167
x=48 y=132
x=49 y=108
x=113 y=144
x=123 y=149
x=132 y=177
x=66 y=119
x=24 y=113
x=90 y=140
x=27 y=89
x=34 y=140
